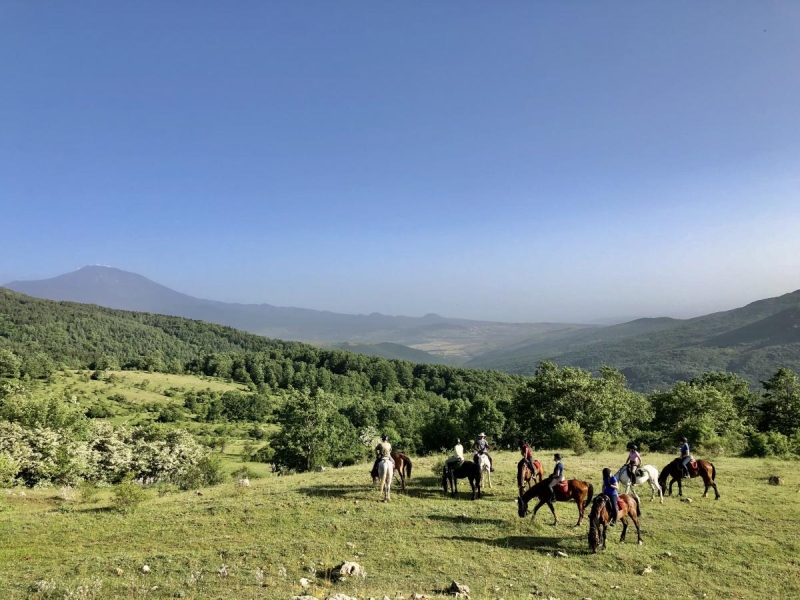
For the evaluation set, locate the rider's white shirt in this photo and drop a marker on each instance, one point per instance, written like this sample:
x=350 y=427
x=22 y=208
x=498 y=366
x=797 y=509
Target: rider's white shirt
x=459 y=450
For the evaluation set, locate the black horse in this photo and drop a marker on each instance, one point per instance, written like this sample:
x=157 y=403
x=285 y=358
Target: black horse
x=467 y=470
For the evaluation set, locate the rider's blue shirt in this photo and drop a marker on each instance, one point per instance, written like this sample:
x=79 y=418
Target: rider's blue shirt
x=684 y=449
x=559 y=470
x=607 y=489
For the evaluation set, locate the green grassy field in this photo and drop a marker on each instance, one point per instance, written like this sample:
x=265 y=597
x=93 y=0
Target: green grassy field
x=745 y=545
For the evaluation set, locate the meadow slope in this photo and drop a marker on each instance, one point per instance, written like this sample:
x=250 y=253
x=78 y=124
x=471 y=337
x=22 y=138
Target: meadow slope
x=297 y=526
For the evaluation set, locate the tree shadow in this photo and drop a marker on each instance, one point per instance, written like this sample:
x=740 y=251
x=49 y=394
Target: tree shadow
x=458 y=520
x=338 y=491
x=520 y=542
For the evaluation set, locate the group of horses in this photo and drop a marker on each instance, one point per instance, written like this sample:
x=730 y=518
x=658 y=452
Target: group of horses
x=533 y=484
x=628 y=506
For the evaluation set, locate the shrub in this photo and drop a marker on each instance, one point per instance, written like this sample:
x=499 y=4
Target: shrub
x=127 y=497
x=602 y=441
x=88 y=491
x=9 y=467
x=207 y=471
x=767 y=444
x=265 y=454
x=99 y=411
x=569 y=434
x=438 y=467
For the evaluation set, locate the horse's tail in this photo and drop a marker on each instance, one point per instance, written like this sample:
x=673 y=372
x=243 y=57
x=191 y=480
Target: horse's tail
x=713 y=472
x=638 y=507
x=520 y=469
x=589 y=497
x=408 y=468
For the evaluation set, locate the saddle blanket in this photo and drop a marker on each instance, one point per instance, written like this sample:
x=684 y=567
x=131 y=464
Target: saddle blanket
x=562 y=487
x=692 y=464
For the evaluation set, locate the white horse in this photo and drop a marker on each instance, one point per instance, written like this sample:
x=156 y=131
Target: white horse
x=385 y=474
x=485 y=467
x=650 y=474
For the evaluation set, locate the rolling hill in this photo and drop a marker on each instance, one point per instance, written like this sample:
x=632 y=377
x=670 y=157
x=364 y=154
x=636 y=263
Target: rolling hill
x=456 y=339
x=753 y=341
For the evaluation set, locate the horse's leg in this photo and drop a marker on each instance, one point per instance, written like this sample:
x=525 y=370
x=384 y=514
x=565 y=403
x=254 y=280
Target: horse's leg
x=579 y=501
x=635 y=520
x=680 y=487
x=536 y=508
x=624 y=528
x=605 y=530
x=489 y=477
x=553 y=510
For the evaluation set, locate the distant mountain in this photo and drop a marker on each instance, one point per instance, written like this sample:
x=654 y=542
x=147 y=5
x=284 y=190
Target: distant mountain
x=753 y=341
x=457 y=339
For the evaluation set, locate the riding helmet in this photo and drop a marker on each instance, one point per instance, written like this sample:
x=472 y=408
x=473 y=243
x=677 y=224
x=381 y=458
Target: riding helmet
x=385 y=438
x=556 y=457
x=683 y=439
x=482 y=435
x=633 y=447
x=458 y=441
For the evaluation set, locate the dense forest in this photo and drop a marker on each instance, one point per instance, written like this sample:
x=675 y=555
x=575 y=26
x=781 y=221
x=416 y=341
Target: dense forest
x=331 y=404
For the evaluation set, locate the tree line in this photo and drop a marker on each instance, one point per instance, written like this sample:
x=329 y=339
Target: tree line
x=351 y=398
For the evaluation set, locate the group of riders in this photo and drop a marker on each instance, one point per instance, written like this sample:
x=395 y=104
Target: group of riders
x=610 y=483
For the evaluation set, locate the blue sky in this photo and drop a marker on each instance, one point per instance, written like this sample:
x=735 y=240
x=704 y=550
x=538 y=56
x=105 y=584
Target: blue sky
x=535 y=161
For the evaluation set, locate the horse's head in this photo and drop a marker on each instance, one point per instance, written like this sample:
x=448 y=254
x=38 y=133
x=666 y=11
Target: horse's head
x=594 y=538
x=522 y=507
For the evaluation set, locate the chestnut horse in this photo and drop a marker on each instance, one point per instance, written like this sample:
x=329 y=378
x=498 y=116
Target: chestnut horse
x=579 y=491
x=525 y=477
x=599 y=517
x=402 y=468
x=698 y=468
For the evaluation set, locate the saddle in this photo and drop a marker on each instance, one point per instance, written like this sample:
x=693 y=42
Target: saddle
x=692 y=464
x=620 y=503
x=562 y=487
x=537 y=465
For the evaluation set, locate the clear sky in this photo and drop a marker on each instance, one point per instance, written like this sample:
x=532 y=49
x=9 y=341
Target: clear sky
x=507 y=161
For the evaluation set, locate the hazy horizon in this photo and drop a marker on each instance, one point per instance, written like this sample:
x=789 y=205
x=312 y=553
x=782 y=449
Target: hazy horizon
x=569 y=163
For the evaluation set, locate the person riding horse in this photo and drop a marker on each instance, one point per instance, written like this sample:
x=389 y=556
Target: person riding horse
x=382 y=451
x=527 y=455
x=481 y=446
x=611 y=489
x=634 y=461
x=557 y=476
x=457 y=459
x=686 y=456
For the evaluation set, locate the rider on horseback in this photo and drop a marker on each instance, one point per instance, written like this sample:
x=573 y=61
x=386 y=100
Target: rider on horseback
x=382 y=451
x=481 y=446
x=457 y=459
x=611 y=489
x=634 y=461
x=556 y=478
x=527 y=455
x=686 y=457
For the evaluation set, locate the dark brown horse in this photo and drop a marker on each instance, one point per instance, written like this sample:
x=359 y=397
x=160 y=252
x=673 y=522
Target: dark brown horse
x=525 y=476
x=599 y=517
x=697 y=468
x=467 y=470
x=575 y=489
x=402 y=468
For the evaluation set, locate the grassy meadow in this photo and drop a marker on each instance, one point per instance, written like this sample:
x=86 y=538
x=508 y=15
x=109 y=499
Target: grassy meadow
x=745 y=545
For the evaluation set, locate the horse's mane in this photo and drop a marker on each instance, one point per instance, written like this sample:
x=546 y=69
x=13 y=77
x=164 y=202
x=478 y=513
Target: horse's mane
x=534 y=491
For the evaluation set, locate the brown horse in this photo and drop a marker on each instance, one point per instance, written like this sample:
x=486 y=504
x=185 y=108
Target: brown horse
x=599 y=517
x=525 y=476
x=697 y=468
x=402 y=467
x=575 y=489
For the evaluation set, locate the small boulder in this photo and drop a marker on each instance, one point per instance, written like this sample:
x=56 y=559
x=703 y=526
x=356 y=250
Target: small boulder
x=459 y=590
x=304 y=597
x=118 y=571
x=775 y=480
x=341 y=597
x=145 y=569
x=304 y=583
x=647 y=569
x=687 y=500
x=348 y=569
x=562 y=554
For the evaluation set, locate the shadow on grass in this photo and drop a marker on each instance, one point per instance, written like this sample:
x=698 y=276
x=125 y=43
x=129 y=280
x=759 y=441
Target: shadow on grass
x=468 y=520
x=521 y=542
x=421 y=487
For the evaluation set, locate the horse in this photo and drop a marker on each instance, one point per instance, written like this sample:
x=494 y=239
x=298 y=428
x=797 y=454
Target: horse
x=599 y=516
x=697 y=468
x=385 y=474
x=579 y=491
x=402 y=469
x=468 y=470
x=649 y=475
x=484 y=466
x=525 y=476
